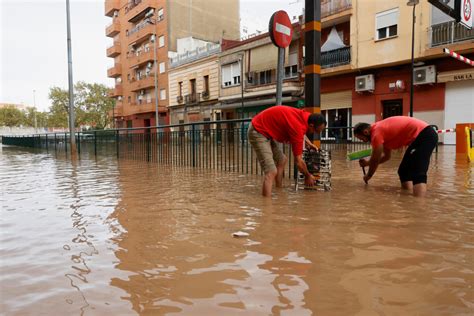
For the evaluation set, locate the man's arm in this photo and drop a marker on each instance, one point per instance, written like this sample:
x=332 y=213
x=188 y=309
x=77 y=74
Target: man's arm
x=374 y=161
x=309 y=179
x=309 y=143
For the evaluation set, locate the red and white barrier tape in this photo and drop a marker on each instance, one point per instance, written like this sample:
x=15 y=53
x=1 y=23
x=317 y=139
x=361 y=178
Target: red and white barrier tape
x=449 y=130
x=458 y=57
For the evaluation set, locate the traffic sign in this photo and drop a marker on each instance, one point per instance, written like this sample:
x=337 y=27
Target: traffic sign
x=280 y=29
x=466 y=13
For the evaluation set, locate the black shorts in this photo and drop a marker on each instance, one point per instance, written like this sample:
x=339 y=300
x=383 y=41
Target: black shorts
x=416 y=160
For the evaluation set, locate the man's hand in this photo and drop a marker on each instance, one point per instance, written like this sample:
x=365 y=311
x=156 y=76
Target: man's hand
x=367 y=178
x=309 y=180
x=363 y=162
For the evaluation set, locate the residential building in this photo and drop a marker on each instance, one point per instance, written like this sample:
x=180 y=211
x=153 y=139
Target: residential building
x=248 y=72
x=145 y=31
x=194 y=85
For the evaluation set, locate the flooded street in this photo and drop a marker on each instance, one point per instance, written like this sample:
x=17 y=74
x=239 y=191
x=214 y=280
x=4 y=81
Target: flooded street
x=108 y=237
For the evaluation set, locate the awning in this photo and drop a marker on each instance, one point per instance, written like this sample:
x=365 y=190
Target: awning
x=336 y=100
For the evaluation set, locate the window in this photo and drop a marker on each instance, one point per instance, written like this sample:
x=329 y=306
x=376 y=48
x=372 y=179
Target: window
x=386 y=24
x=163 y=94
x=161 y=14
x=291 y=71
x=180 y=88
x=206 y=84
x=129 y=99
x=192 y=85
x=265 y=77
x=162 y=68
x=129 y=124
x=230 y=74
x=161 y=41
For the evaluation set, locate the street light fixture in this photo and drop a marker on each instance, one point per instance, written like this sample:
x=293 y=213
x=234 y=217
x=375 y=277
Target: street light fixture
x=149 y=14
x=412 y=3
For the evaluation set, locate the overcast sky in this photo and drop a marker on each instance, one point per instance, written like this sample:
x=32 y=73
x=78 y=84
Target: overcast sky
x=33 y=51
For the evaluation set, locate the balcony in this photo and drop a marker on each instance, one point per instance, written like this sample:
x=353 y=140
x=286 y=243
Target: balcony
x=113 y=28
x=192 y=98
x=179 y=99
x=140 y=32
x=449 y=33
x=143 y=107
x=331 y=7
x=114 y=50
x=115 y=71
x=117 y=91
x=141 y=59
x=144 y=83
x=111 y=6
x=136 y=9
x=337 y=57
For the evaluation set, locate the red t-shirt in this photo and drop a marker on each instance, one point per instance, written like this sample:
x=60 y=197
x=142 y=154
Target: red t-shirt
x=396 y=131
x=283 y=124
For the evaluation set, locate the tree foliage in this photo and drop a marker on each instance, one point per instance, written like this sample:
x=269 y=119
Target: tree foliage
x=11 y=116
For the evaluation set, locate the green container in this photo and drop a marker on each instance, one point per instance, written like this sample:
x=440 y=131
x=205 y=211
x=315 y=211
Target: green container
x=359 y=154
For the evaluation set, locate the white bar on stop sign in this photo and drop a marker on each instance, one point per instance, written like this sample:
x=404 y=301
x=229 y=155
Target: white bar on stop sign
x=280 y=28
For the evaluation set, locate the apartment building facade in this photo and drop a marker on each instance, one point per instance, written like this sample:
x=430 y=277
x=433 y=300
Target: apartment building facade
x=145 y=31
x=193 y=85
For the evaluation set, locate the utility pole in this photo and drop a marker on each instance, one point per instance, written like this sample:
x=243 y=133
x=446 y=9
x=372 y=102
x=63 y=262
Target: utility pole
x=312 y=62
x=72 y=135
x=34 y=111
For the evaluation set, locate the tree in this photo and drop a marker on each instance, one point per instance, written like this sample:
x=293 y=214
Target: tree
x=11 y=116
x=91 y=105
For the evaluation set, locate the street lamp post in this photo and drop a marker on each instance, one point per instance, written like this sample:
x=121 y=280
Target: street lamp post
x=149 y=15
x=412 y=3
x=34 y=111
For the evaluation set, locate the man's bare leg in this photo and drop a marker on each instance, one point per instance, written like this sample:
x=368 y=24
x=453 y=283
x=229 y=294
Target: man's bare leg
x=419 y=189
x=407 y=185
x=268 y=183
x=280 y=169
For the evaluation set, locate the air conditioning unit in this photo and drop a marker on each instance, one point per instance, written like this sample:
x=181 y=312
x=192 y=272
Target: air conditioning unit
x=142 y=92
x=149 y=65
x=424 y=75
x=365 y=83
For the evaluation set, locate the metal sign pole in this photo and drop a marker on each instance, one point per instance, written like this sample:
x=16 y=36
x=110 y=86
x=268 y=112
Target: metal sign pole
x=279 y=83
x=71 y=87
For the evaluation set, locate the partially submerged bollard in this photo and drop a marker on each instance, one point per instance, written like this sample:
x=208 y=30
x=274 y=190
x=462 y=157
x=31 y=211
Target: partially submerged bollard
x=319 y=165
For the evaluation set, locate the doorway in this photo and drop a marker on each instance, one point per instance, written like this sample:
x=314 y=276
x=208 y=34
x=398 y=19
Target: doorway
x=392 y=108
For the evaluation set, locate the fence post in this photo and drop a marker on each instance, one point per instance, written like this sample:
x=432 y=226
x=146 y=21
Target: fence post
x=193 y=140
x=55 y=145
x=95 y=144
x=65 y=142
x=78 y=143
x=117 y=142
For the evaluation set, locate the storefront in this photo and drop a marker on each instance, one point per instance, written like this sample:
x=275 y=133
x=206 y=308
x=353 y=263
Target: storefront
x=459 y=99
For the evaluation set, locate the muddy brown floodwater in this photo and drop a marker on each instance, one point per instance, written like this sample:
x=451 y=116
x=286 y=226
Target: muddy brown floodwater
x=102 y=237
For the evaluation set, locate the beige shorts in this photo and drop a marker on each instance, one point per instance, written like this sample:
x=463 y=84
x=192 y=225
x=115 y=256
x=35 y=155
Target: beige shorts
x=268 y=152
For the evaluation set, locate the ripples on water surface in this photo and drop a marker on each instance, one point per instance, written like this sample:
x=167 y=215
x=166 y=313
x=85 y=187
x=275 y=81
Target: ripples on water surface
x=100 y=237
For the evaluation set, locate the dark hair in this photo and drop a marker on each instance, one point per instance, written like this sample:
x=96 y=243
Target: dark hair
x=359 y=128
x=316 y=120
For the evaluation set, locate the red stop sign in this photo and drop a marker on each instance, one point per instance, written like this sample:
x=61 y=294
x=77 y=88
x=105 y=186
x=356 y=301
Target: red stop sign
x=280 y=29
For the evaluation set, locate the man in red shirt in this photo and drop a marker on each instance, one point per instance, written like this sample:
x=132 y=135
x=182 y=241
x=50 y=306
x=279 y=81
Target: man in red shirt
x=282 y=124
x=396 y=132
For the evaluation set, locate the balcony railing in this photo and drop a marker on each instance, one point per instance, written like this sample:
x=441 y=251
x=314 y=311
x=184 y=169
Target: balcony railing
x=337 y=57
x=111 y=6
x=143 y=83
x=141 y=106
x=117 y=91
x=138 y=33
x=331 y=7
x=114 y=50
x=179 y=99
x=113 y=28
x=142 y=58
x=115 y=71
x=449 y=33
x=192 y=98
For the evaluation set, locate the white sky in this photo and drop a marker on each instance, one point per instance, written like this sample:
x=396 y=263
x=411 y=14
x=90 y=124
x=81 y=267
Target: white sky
x=33 y=51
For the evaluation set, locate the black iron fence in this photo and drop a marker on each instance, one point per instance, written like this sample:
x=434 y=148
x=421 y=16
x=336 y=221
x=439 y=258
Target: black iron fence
x=336 y=57
x=218 y=145
x=449 y=33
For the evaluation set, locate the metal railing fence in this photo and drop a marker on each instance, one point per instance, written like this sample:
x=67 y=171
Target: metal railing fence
x=218 y=145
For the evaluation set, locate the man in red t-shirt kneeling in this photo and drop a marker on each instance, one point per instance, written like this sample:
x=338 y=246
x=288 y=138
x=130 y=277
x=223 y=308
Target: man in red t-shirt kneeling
x=397 y=132
x=282 y=124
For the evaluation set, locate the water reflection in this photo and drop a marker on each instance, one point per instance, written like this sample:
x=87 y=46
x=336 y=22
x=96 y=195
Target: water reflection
x=138 y=238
